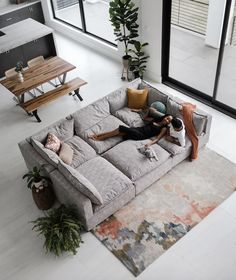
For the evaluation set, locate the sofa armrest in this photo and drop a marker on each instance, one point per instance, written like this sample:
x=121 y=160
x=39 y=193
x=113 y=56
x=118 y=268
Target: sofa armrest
x=208 y=125
x=33 y=158
x=67 y=194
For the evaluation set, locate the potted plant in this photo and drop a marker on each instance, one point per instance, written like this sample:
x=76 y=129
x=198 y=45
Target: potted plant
x=61 y=229
x=42 y=191
x=139 y=59
x=123 y=16
x=18 y=69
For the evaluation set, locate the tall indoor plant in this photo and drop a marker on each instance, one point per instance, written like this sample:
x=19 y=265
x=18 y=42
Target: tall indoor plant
x=124 y=16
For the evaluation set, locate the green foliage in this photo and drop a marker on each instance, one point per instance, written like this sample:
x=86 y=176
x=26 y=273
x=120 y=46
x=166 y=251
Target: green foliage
x=34 y=176
x=124 y=16
x=19 y=66
x=61 y=229
x=139 y=59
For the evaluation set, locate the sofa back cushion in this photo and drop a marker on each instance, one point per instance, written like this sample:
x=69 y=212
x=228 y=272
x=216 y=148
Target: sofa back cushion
x=50 y=156
x=199 y=119
x=118 y=98
x=63 y=129
x=91 y=115
x=154 y=94
x=80 y=183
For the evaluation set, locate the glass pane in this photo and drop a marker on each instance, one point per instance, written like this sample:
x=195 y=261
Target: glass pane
x=193 y=57
x=227 y=83
x=68 y=11
x=97 y=19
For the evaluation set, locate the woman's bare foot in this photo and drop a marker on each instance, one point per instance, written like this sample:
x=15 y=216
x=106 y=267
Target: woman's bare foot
x=93 y=137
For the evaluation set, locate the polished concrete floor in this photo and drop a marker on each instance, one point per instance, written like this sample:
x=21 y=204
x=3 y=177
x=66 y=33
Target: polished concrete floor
x=207 y=252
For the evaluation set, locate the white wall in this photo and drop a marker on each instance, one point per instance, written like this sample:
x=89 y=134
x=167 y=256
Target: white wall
x=151 y=32
x=150 y=19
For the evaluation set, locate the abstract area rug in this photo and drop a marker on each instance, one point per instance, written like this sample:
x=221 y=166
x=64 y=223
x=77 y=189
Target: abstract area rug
x=158 y=217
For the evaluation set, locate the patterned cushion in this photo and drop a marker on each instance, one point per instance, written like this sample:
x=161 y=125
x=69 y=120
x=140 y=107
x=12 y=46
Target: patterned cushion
x=91 y=115
x=130 y=118
x=109 y=181
x=82 y=151
x=126 y=157
x=105 y=125
x=154 y=94
x=53 y=143
x=63 y=129
x=80 y=182
x=50 y=156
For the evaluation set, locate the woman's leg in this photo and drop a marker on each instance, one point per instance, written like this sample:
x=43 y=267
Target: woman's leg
x=105 y=135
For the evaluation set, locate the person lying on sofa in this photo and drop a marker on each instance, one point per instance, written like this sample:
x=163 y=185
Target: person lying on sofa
x=176 y=132
x=157 y=129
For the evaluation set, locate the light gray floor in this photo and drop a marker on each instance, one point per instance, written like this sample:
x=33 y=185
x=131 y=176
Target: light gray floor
x=96 y=16
x=194 y=63
x=207 y=252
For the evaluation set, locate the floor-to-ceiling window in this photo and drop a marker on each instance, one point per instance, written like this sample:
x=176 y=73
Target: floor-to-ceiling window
x=199 y=49
x=90 y=16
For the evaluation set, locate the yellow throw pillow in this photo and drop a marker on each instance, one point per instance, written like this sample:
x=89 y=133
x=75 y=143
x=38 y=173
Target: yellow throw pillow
x=137 y=98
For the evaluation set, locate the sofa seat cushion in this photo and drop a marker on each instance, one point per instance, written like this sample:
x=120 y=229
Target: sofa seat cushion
x=107 y=124
x=108 y=180
x=126 y=157
x=132 y=119
x=82 y=151
x=172 y=148
x=90 y=115
x=63 y=129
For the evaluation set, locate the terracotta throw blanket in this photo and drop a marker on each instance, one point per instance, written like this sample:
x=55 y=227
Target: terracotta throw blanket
x=187 y=111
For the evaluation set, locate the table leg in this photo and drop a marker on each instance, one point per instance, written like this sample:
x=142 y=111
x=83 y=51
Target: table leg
x=22 y=98
x=35 y=113
x=63 y=79
x=77 y=94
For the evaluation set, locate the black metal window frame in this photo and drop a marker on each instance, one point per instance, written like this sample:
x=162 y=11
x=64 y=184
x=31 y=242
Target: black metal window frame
x=186 y=89
x=83 y=22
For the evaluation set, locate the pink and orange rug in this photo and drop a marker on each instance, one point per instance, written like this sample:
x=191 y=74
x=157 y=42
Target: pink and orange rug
x=158 y=217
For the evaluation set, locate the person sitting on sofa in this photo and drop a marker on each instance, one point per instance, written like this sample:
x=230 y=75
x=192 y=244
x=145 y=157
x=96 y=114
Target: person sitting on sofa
x=176 y=132
x=157 y=128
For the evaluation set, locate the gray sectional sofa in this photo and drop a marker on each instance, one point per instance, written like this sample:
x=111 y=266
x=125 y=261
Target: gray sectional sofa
x=106 y=175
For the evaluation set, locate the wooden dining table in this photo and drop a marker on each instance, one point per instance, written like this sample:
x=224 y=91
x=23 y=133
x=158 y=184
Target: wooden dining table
x=50 y=69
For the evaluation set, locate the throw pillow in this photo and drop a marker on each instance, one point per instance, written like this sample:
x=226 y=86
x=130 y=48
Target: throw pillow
x=174 y=108
x=66 y=153
x=80 y=182
x=53 y=143
x=173 y=149
x=137 y=98
x=159 y=106
x=47 y=154
x=199 y=122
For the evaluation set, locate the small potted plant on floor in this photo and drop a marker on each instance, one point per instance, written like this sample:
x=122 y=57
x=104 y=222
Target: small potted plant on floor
x=61 y=229
x=18 y=69
x=41 y=187
x=124 y=16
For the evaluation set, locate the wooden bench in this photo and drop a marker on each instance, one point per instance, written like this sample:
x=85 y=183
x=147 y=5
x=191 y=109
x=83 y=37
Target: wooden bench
x=32 y=105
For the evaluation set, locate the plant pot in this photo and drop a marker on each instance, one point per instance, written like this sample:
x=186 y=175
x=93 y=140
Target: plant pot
x=126 y=61
x=20 y=77
x=44 y=198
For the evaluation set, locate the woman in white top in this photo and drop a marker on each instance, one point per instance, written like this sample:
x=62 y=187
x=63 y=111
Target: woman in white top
x=176 y=132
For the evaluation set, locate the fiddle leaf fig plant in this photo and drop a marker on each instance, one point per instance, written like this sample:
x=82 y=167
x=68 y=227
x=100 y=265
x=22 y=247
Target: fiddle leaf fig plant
x=61 y=229
x=124 y=16
x=139 y=59
x=34 y=176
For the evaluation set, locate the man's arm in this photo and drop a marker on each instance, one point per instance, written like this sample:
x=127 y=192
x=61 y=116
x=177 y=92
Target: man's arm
x=172 y=140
